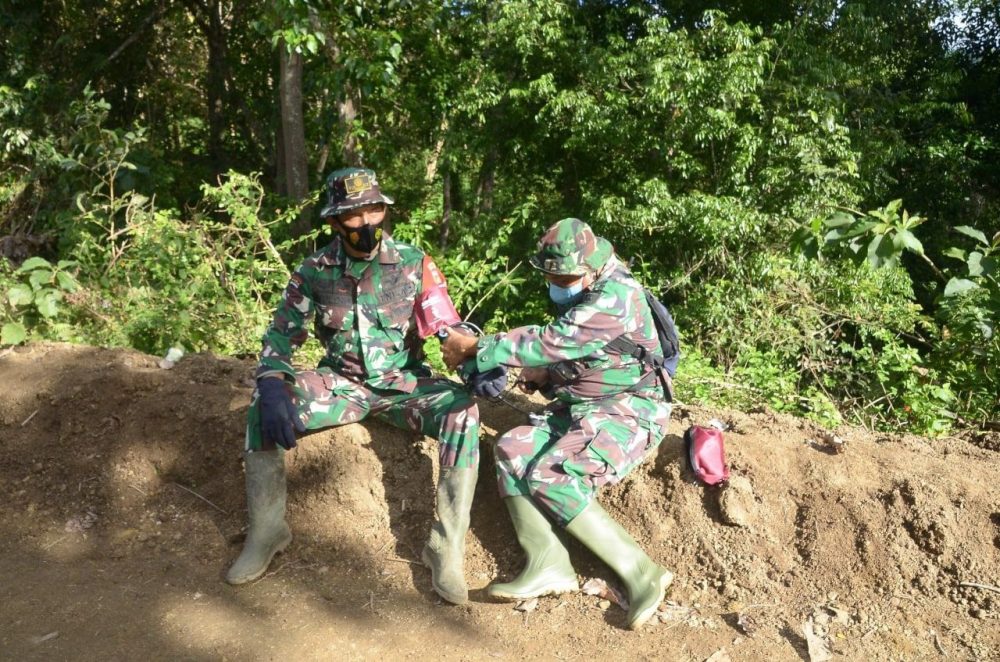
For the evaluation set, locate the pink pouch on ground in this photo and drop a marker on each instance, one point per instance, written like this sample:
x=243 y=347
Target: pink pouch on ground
x=706 y=454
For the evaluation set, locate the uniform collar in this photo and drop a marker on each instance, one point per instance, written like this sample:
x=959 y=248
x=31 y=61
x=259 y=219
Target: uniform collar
x=334 y=253
x=612 y=265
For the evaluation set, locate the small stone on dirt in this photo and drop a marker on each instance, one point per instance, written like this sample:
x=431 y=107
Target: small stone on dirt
x=45 y=637
x=527 y=605
x=719 y=656
x=736 y=502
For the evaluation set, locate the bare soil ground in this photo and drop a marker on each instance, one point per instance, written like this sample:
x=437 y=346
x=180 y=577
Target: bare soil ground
x=122 y=504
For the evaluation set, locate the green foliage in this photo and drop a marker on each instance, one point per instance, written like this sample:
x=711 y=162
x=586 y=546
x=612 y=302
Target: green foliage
x=929 y=391
x=724 y=155
x=35 y=301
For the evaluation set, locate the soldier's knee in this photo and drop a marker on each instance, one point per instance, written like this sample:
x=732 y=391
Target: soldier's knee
x=540 y=476
x=510 y=445
x=462 y=402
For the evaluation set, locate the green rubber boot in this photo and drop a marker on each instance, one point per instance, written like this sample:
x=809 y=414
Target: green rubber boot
x=444 y=552
x=269 y=533
x=547 y=570
x=645 y=581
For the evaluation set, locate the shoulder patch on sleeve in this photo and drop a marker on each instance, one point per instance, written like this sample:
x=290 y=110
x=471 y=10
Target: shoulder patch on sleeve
x=432 y=276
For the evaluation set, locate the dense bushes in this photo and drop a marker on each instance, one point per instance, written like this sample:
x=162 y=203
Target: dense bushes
x=722 y=157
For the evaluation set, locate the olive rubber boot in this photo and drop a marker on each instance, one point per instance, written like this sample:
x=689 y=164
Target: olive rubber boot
x=269 y=533
x=547 y=569
x=444 y=553
x=645 y=581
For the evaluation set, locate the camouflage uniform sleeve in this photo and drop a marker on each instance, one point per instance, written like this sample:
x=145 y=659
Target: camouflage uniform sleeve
x=578 y=333
x=287 y=330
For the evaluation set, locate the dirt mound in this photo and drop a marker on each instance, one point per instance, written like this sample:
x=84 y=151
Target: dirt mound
x=122 y=493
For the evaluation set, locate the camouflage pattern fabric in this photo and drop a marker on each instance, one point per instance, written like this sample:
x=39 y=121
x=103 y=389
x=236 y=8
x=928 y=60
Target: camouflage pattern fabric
x=608 y=413
x=570 y=247
x=350 y=188
x=572 y=346
x=567 y=454
x=435 y=407
x=362 y=313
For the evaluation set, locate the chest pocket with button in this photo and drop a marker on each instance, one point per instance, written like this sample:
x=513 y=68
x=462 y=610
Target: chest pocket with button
x=395 y=303
x=334 y=300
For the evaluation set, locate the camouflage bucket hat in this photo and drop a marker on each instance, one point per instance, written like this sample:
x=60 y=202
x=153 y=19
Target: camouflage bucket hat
x=349 y=188
x=570 y=247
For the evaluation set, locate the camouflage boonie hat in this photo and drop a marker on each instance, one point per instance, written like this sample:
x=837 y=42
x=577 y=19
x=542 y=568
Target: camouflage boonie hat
x=570 y=247
x=349 y=188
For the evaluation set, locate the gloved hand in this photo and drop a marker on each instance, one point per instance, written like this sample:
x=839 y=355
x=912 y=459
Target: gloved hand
x=277 y=413
x=489 y=384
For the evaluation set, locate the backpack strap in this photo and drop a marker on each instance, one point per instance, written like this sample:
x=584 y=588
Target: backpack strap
x=628 y=347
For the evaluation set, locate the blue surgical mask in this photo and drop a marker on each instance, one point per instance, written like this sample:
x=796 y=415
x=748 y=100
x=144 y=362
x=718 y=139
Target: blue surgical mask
x=566 y=296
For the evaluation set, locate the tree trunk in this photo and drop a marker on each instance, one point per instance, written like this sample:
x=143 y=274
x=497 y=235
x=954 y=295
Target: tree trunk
x=294 y=136
x=215 y=36
x=347 y=103
x=446 y=203
x=347 y=112
x=487 y=181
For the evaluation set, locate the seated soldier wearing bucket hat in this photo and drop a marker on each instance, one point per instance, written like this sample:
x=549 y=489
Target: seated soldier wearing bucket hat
x=608 y=413
x=368 y=298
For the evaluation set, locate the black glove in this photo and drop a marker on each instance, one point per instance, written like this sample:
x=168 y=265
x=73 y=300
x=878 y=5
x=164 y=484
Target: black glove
x=277 y=413
x=489 y=384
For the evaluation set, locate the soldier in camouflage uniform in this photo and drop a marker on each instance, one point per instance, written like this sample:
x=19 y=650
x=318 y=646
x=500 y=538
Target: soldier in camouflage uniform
x=360 y=293
x=609 y=412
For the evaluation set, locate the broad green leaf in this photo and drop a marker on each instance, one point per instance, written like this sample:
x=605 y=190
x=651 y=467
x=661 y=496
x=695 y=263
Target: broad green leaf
x=859 y=229
x=838 y=219
x=957 y=286
x=833 y=235
x=34 y=263
x=48 y=305
x=40 y=277
x=67 y=282
x=956 y=253
x=876 y=250
x=13 y=333
x=886 y=250
x=975 y=264
x=974 y=233
x=20 y=295
x=906 y=239
x=989 y=266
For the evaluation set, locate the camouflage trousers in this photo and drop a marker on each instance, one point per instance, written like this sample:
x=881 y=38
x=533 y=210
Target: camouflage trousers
x=437 y=407
x=571 y=450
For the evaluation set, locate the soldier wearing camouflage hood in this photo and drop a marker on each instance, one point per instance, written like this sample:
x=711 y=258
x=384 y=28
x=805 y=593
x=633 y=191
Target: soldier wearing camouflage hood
x=609 y=412
x=361 y=293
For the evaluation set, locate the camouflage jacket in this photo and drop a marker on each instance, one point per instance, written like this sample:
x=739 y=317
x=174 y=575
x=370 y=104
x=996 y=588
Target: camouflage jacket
x=362 y=314
x=573 y=345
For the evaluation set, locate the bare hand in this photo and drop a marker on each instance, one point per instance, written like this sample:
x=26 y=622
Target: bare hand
x=457 y=347
x=532 y=379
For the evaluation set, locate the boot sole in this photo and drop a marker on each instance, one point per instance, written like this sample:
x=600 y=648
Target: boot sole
x=445 y=595
x=641 y=618
x=558 y=589
x=246 y=579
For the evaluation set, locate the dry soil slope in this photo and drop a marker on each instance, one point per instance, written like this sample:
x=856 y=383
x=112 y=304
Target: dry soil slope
x=121 y=486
